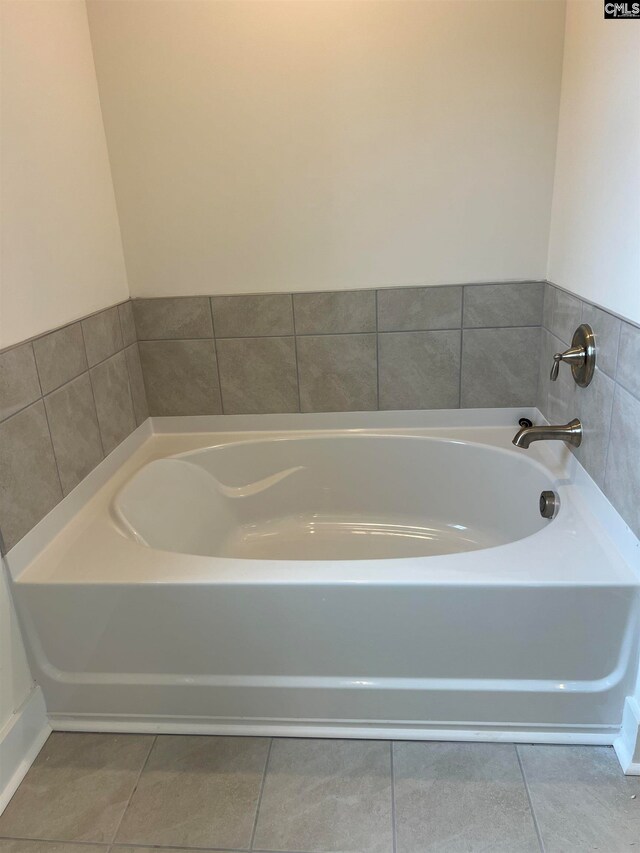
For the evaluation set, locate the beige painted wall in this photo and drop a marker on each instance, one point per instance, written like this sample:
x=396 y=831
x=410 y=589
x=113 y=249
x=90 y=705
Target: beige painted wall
x=594 y=246
x=61 y=247
x=316 y=145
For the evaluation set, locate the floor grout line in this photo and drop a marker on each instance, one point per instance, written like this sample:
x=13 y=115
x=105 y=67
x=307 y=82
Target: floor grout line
x=117 y=845
x=138 y=846
x=394 y=839
x=133 y=790
x=55 y=841
x=264 y=779
x=529 y=800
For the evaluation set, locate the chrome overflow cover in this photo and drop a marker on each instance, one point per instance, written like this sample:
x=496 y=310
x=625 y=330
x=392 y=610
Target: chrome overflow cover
x=549 y=504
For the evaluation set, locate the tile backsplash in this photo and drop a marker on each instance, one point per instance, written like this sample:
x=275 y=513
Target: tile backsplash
x=69 y=397
x=609 y=407
x=361 y=350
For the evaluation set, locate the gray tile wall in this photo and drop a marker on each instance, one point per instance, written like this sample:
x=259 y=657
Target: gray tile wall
x=609 y=407
x=67 y=399
x=399 y=348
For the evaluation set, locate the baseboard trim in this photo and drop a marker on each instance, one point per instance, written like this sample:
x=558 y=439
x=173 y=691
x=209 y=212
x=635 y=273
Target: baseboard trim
x=21 y=739
x=627 y=744
x=376 y=730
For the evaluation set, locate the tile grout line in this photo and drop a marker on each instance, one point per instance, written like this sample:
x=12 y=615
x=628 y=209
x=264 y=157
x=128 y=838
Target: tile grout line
x=215 y=352
x=93 y=393
x=133 y=790
x=133 y=408
x=137 y=345
x=46 y=415
x=126 y=364
x=528 y=793
x=28 y=406
x=102 y=360
x=394 y=833
x=121 y=326
x=377 y=353
x=144 y=384
x=461 y=349
x=340 y=334
x=295 y=350
x=63 y=385
x=258 y=804
x=613 y=403
x=35 y=362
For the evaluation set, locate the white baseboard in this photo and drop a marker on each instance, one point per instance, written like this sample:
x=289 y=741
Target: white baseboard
x=376 y=730
x=21 y=739
x=627 y=745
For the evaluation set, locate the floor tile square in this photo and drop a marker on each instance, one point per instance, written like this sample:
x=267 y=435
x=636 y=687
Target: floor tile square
x=197 y=792
x=461 y=797
x=581 y=799
x=78 y=787
x=327 y=795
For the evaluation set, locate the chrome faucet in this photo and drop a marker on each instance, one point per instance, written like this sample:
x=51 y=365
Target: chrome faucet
x=571 y=433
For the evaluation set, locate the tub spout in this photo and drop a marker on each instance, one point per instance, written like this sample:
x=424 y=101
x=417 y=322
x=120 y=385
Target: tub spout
x=571 y=433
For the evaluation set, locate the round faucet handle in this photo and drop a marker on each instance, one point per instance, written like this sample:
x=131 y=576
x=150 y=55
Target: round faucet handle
x=581 y=356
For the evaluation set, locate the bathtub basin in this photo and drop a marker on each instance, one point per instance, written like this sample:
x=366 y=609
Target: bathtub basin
x=357 y=583
x=344 y=497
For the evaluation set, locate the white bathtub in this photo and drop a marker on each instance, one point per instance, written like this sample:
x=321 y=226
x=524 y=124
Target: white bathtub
x=395 y=582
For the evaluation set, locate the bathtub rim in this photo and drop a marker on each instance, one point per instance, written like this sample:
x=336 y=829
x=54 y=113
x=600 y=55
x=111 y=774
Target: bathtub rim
x=151 y=441
x=553 y=454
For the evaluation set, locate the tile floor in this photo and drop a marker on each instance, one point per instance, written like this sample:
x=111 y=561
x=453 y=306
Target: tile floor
x=130 y=793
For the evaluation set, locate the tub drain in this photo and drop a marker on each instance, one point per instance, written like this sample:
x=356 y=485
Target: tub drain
x=549 y=504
